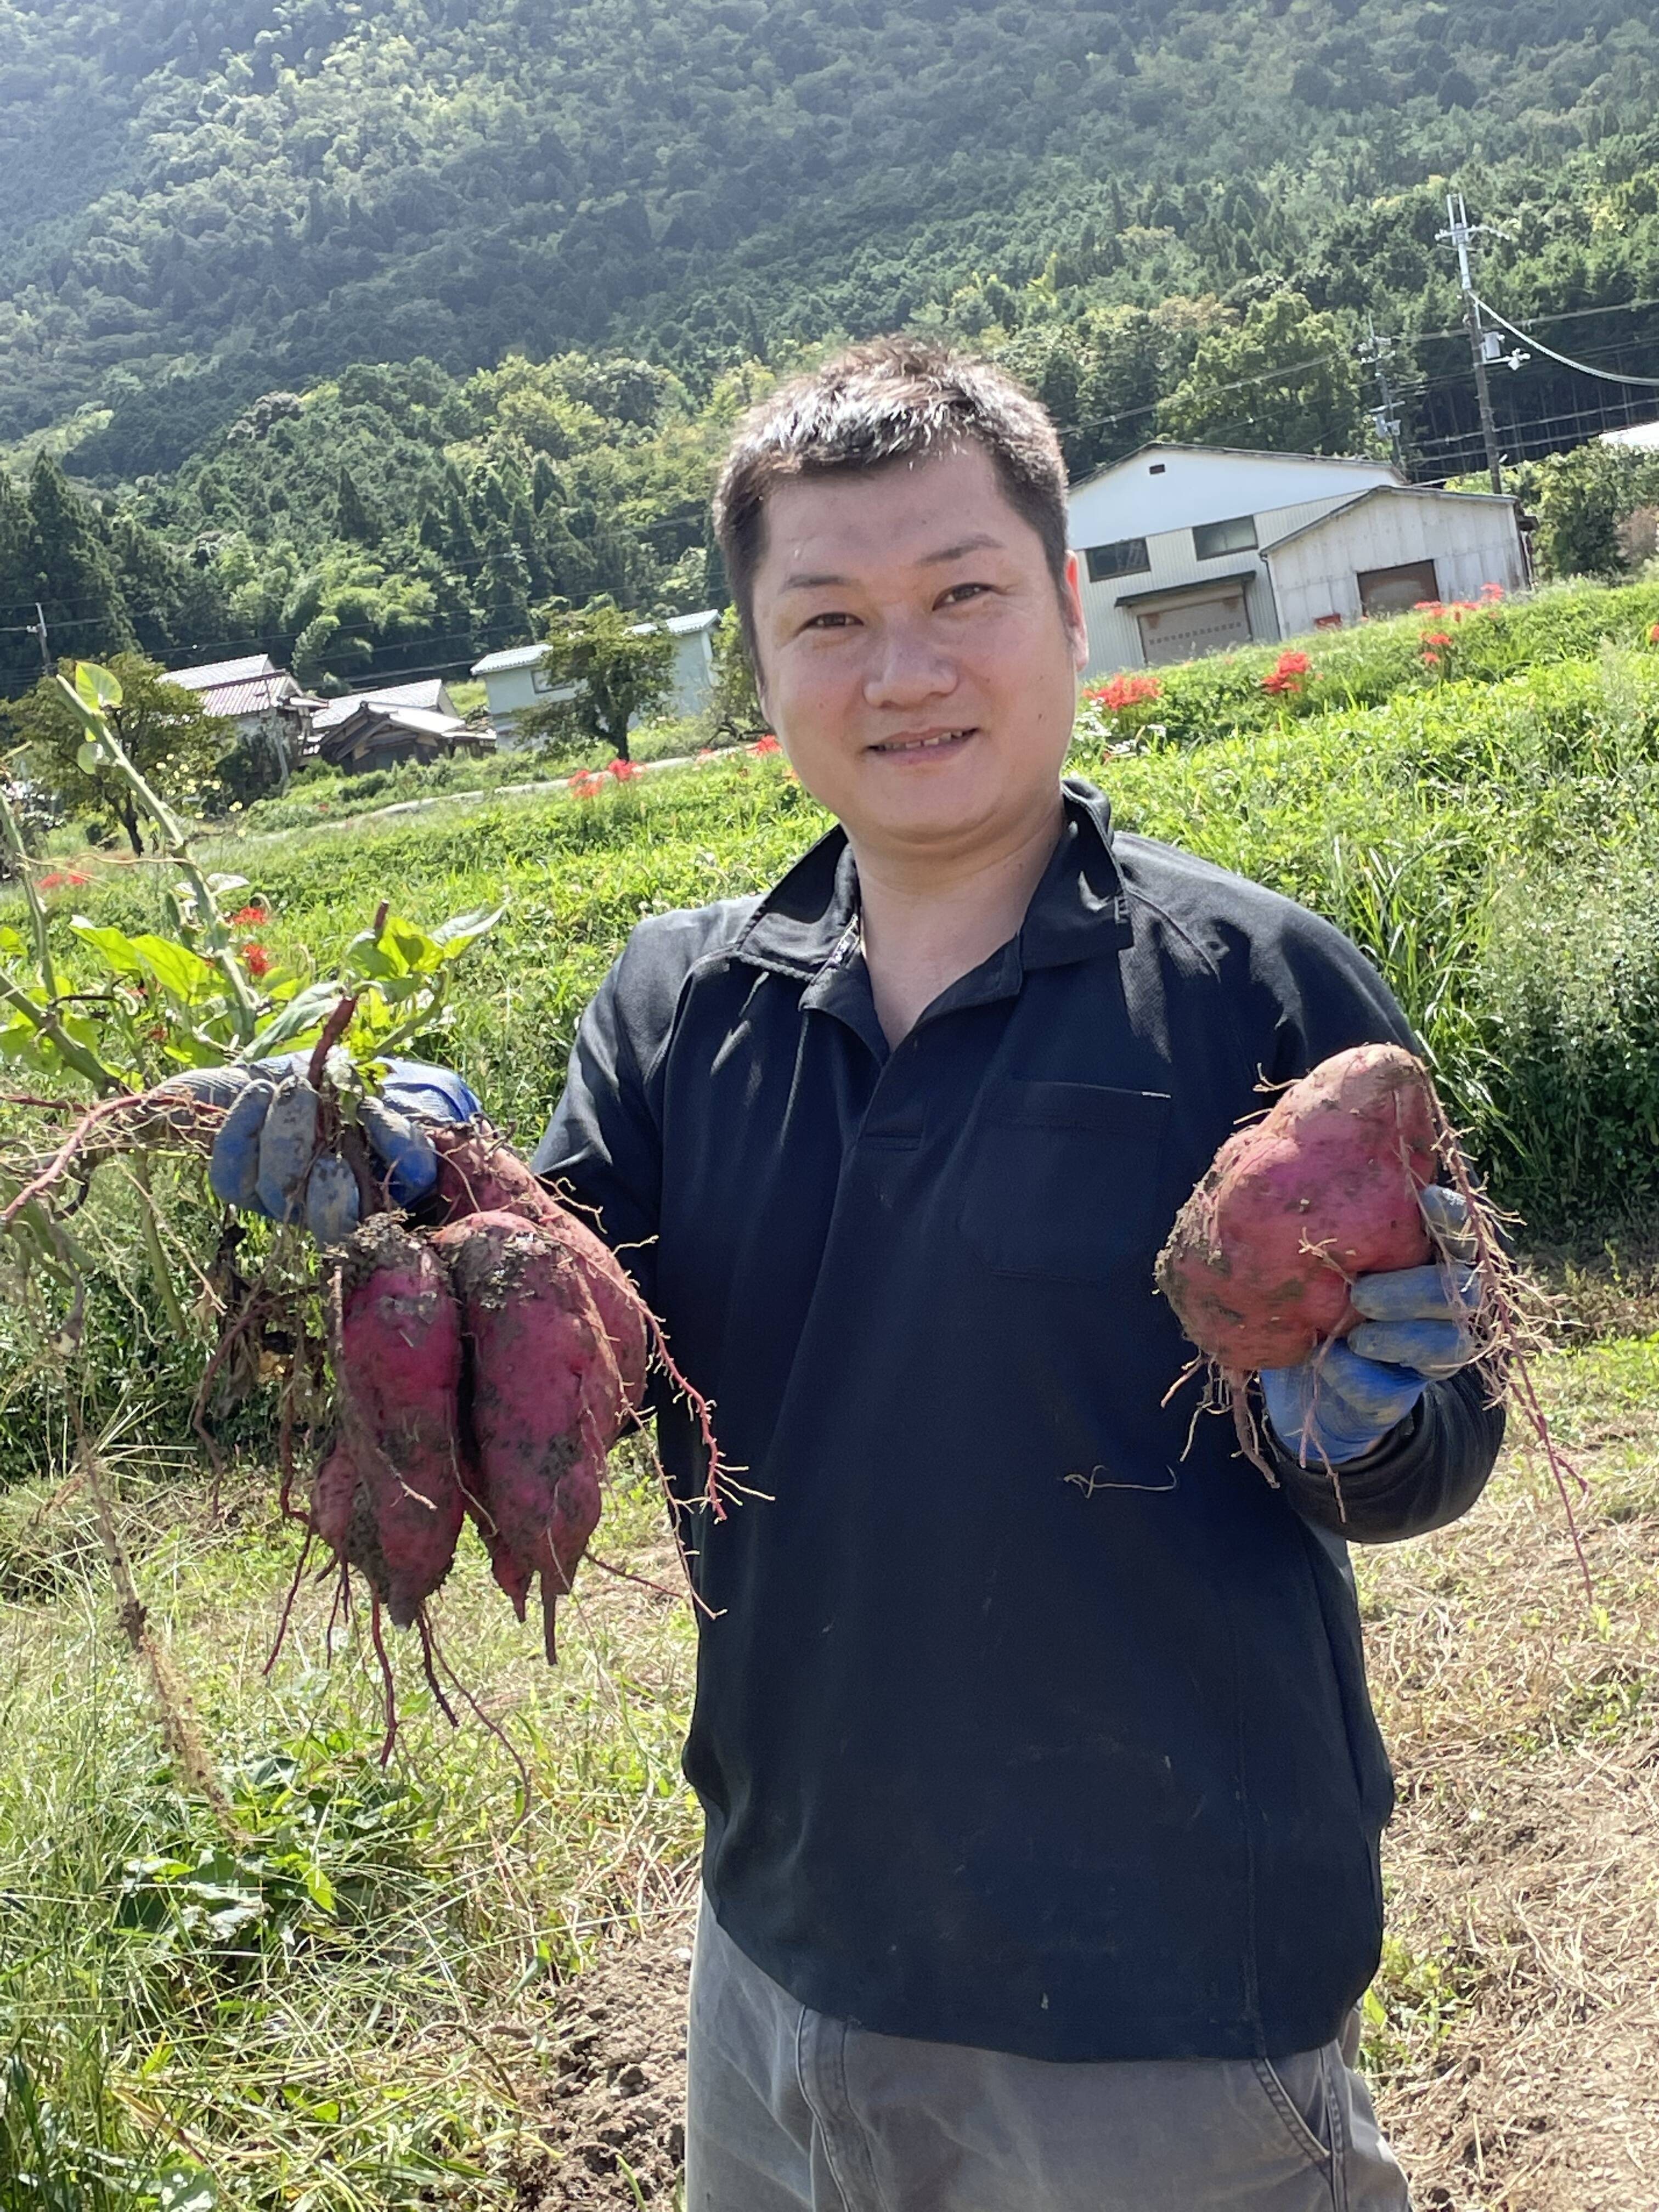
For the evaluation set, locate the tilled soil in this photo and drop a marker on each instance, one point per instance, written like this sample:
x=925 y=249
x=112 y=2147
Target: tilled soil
x=607 y=2122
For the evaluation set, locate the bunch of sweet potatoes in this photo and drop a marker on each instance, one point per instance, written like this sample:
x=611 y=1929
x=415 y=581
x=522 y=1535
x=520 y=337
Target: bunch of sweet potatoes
x=482 y=1370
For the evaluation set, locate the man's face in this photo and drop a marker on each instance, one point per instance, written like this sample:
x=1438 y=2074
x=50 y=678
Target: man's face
x=915 y=658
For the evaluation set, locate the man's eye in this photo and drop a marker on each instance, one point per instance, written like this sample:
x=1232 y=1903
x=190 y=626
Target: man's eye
x=832 y=621
x=959 y=595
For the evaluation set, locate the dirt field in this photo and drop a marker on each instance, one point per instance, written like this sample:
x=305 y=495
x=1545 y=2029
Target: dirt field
x=1514 y=2030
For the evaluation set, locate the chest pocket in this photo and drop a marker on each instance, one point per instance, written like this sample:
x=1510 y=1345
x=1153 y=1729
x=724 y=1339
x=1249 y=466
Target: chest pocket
x=1063 y=1180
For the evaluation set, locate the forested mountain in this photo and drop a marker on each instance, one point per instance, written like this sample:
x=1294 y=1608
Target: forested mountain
x=232 y=195
x=376 y=329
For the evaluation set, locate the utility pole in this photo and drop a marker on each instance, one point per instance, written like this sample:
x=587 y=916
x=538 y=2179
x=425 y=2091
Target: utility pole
x=1376 y=352
x=1483 y=345
x=37 y=629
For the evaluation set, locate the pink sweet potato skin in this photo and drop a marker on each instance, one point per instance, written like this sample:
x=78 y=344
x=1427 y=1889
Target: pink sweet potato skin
x=477 y=1174
x=547 y=1399
x=398 y=1366
x=1293 y=1207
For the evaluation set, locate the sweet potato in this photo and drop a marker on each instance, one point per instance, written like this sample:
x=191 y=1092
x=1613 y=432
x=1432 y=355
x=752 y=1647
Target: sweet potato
x=1293 y=1207
x=477 y=1174
x=548 y=1399
x=398 y=1366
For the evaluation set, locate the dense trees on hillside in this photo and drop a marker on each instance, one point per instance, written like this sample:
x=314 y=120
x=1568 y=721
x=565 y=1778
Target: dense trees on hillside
x=104 y=584
x=371 y=335
x=212 y=199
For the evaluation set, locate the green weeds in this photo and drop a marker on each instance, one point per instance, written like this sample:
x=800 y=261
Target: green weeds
x=302 y=2000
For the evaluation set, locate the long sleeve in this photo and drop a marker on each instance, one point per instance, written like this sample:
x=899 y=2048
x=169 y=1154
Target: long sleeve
x=1427 y=1473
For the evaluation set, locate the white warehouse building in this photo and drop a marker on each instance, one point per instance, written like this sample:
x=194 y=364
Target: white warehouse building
x=517 y=680
x=1189 y=550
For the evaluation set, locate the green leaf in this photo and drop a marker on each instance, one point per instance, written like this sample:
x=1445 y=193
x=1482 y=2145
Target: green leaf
x=419 y=953
x=306 y=1010
x=12 y=942
x=184 y=2188
x=100 y=687
x=89 y=718
x=177 y=969
x=118 y=951
x=94 y=755
x=188 y=1051
x=320 y=1888
x=463 y=929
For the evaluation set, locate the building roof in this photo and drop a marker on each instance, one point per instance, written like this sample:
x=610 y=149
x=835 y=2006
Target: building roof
x=527 y=656
x=1644 y=437
x=257 y=695
x=515 y=656
x=428 y=694
x=1232 y=453
x=1433 y=492
x=212 y=673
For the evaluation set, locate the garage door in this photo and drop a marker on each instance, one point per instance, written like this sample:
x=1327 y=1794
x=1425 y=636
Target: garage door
x=1396 y=590
x=1212 y=624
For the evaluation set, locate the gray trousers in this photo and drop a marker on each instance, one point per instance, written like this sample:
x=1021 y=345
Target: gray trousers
x=789 y=2109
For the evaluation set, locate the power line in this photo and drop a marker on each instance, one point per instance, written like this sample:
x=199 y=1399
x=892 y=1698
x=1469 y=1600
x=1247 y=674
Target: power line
x=1607 y=375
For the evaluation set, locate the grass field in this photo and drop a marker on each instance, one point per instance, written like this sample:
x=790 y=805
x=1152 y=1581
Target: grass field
x=351 y=1988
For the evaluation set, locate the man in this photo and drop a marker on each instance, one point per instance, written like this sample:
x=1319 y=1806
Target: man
x=1042 y=1786
x=1043 y=1790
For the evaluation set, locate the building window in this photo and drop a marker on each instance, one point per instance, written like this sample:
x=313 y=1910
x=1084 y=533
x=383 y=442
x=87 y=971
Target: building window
x=539 y=678
x=1211 y=540
x=1128 y=557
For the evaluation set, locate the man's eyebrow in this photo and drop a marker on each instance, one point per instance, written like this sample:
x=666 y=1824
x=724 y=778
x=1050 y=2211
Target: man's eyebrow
x=981 y=541
x=807 y=581
x=816 y=580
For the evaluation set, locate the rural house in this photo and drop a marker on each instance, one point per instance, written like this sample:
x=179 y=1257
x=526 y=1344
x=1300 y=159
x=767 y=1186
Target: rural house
x=517 y=679
x=1190 y=550
x=430 y=694
x=384 y=733
x=265 y=701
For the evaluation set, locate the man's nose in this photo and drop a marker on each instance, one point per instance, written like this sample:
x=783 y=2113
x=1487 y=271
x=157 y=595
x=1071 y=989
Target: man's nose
x=908 y=668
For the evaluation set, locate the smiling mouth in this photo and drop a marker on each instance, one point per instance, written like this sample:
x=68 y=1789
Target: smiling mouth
x=932 y=741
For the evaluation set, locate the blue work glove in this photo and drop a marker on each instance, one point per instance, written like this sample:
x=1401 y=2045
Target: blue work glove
x=1341 y=1403
x=265 y=1157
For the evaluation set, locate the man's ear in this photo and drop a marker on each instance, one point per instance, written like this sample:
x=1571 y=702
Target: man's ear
x=1071 y=601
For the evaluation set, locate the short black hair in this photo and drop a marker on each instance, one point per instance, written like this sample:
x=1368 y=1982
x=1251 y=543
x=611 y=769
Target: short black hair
x=892 y=399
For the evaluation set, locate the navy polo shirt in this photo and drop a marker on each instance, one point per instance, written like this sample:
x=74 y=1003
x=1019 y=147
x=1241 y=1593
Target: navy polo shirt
x=1029 y=1715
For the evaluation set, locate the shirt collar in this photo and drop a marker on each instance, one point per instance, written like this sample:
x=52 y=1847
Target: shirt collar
x=1079 y=908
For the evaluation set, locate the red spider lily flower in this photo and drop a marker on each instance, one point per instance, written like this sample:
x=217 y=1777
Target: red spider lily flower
x=1436 y=637
x=587 y=784
x=1431 y=659
x=1489 y=593
x=1289 y=674
x=1427 y=607
x=1121 y=691
x=62 y=879
x=624 y=771
x=250 y=917
x=1653 y=634
x=260 y=962
x=762 y=746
